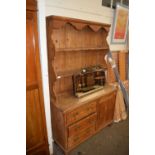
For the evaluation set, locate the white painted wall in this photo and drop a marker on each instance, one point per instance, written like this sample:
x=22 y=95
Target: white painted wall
x=82 y=9
x=44 y=68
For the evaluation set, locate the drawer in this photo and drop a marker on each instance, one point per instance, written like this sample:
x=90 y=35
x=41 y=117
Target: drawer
x=81 y=125
x=72 y=141
x=80 y=112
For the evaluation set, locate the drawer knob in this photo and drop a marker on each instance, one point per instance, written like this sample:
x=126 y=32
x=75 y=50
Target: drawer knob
x=75 y=114
x=89 y=109
x=78 y=127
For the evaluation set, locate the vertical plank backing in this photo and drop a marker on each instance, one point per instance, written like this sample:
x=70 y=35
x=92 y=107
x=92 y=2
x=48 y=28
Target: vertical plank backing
x=122 y=65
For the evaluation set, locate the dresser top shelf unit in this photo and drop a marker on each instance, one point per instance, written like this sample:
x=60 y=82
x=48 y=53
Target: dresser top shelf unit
x=73 y=44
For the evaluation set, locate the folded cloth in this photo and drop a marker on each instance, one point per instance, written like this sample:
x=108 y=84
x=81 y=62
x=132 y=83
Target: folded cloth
x=120 y=110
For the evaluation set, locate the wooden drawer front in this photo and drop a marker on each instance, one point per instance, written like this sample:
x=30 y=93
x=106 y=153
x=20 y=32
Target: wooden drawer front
x=81 y=125
x=72 y=141
x=81 y=112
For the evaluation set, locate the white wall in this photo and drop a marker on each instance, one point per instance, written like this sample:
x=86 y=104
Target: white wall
x=82 y=9
x=44 y=68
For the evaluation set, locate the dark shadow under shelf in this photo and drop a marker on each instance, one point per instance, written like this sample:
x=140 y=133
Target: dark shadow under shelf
x=80 y=49
x=64 y=74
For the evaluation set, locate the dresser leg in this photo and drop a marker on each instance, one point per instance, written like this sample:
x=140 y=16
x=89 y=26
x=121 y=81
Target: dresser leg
x=57 y=150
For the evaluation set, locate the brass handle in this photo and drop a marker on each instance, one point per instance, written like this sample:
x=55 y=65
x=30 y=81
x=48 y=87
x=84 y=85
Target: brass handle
x=78 y=127
x=75 y=114
x=88 y=109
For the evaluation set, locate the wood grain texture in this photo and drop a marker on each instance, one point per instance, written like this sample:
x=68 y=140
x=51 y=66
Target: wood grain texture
x=71 y=49
x=66 y=38
x=31 y=73
x=41 y=150
x=58 y=127
x=76 y=128
x=74 y=44
x=123 y=65
x=68 y=102
x=36 y=134
x=75 y=140
x=58 y=22
x=31 y=5
x=105 y=110
x=81 y=112
x=34 y=128
x=121 y=60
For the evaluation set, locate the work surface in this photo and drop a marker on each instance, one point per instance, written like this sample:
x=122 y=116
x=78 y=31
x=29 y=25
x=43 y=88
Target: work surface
x=67 y=101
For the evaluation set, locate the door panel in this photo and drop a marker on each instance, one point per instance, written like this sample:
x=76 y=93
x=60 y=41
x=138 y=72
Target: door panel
x=105 y=109
x=36 y=135
x=43 y=150
x=31 y=74
x=34 y=122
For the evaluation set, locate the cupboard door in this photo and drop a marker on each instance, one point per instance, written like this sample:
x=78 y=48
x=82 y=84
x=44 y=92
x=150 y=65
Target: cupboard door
x=34 y=127
x=106 y=108
x=31 y=68
x=39 y=151
x=36 y=136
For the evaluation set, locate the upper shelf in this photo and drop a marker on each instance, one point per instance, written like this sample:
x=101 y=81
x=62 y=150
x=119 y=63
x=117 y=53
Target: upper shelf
x=73 y=44
x=79 y=24
x=80 y=49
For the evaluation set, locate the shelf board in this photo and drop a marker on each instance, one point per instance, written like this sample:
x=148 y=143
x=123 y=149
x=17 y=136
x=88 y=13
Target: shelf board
x=65 y=74
x=80 y=49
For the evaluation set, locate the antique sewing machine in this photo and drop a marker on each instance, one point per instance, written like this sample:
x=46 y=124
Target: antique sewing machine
x=88 y=80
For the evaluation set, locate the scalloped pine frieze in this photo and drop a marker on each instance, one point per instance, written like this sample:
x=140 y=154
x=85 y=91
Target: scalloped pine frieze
x=58 y=22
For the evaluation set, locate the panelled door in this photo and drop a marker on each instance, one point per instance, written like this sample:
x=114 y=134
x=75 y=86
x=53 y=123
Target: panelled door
x=36 y=135
x=105 y=109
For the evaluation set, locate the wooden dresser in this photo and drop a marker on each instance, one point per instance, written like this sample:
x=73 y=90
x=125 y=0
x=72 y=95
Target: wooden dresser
x=36 y=135
x=74 y=44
